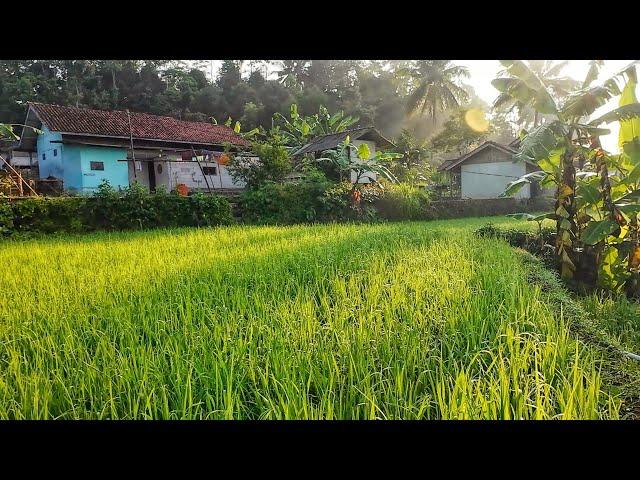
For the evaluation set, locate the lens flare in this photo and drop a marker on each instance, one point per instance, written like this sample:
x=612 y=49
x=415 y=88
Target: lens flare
x=476 y=120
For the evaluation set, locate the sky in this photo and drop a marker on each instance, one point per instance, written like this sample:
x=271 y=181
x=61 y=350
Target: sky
x=483 y=71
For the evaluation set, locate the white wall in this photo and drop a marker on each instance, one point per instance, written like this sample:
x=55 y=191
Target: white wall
x=141 y=176
x=489 y=180
x=372 y=150
x=169 y=174
x=190 y=174
x=21 y=159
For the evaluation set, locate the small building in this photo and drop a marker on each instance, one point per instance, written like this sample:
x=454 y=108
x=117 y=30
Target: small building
x=485 y=171
x=357 y=136
x=82 y=147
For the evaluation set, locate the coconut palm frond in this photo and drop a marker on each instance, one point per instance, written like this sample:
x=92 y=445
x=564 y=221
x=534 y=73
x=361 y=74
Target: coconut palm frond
x=416 y=99
x=438 y=88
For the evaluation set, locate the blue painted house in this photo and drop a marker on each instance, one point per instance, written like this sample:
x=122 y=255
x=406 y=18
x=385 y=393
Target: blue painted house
x=82 y=147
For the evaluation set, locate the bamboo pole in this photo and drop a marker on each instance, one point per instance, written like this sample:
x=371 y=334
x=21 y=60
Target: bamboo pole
x=201 y=170
x=13 y=170
x=133 y=153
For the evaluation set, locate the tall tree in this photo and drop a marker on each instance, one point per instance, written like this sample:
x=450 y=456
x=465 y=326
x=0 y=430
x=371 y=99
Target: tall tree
x=437 y=86
x=293 y=73
x=229 y=75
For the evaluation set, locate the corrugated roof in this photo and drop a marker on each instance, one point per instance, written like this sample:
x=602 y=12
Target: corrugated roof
x=331 y=140
x=115 y=123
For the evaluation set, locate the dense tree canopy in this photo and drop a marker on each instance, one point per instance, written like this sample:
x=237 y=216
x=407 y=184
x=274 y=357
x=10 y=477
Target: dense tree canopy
x=375 y=92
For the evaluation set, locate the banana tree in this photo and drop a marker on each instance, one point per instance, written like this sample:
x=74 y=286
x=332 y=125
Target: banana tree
x=6 y=132
x=298 y=130
x=549 y=74
x=595 y=199
x=362 y=164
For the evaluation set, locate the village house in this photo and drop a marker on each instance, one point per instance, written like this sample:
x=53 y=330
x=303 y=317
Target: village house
x=82 y=147
x=357 y=136
x=485 y=172
x=79 y=148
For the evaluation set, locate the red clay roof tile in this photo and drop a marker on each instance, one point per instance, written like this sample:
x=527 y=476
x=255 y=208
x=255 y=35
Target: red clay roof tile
x=85 y=121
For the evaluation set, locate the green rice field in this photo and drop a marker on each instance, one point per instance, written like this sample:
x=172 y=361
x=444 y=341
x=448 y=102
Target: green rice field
x=415 y=320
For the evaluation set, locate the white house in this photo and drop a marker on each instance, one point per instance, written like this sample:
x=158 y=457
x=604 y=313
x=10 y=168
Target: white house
x=485 y=172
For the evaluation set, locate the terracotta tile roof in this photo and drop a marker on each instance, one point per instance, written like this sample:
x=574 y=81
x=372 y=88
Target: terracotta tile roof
x=85 y=121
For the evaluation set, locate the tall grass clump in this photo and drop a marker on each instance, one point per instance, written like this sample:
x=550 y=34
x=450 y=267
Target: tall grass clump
x=384 y=321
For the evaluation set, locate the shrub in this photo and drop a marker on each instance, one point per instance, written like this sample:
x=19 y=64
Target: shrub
x=272 y=164
x=292 y=202
x=6 y=217
x=48 y=215
x=206 y=210
x=402 y=201
x=110 y=210
x=339 y=203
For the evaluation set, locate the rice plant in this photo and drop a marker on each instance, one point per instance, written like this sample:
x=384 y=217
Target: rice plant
x=383 y=321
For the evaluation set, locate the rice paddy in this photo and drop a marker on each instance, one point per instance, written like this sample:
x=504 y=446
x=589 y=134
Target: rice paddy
x=415 y=320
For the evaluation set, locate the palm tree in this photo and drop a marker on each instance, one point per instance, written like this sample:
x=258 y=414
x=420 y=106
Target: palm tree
x=437 y=86
x=549 y=74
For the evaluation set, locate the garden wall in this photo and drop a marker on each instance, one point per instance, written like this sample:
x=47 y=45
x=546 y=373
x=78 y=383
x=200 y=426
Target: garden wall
x=443 y=209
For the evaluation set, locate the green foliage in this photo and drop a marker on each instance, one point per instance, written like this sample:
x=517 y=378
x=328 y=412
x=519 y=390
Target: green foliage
x=457 y=135
x=596 y=211
x=47 y=215
x=183 y=90
x=402 y=201
x=6 y=217
x=316 y=199
x=597 y=231
x=134 y=209
x=298 y=130
x=341 y=204
x=437 y=86
x=413 y=165
x=7 y=133
x=284 y=203
x=271 y=165
x=360 y=164
x=533 y=89
x=539 y=242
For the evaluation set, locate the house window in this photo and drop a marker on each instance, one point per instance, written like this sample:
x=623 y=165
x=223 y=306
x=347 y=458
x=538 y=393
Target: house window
x=209 y=170
x=97 y=165
x=44 y=156
x=55 y=152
